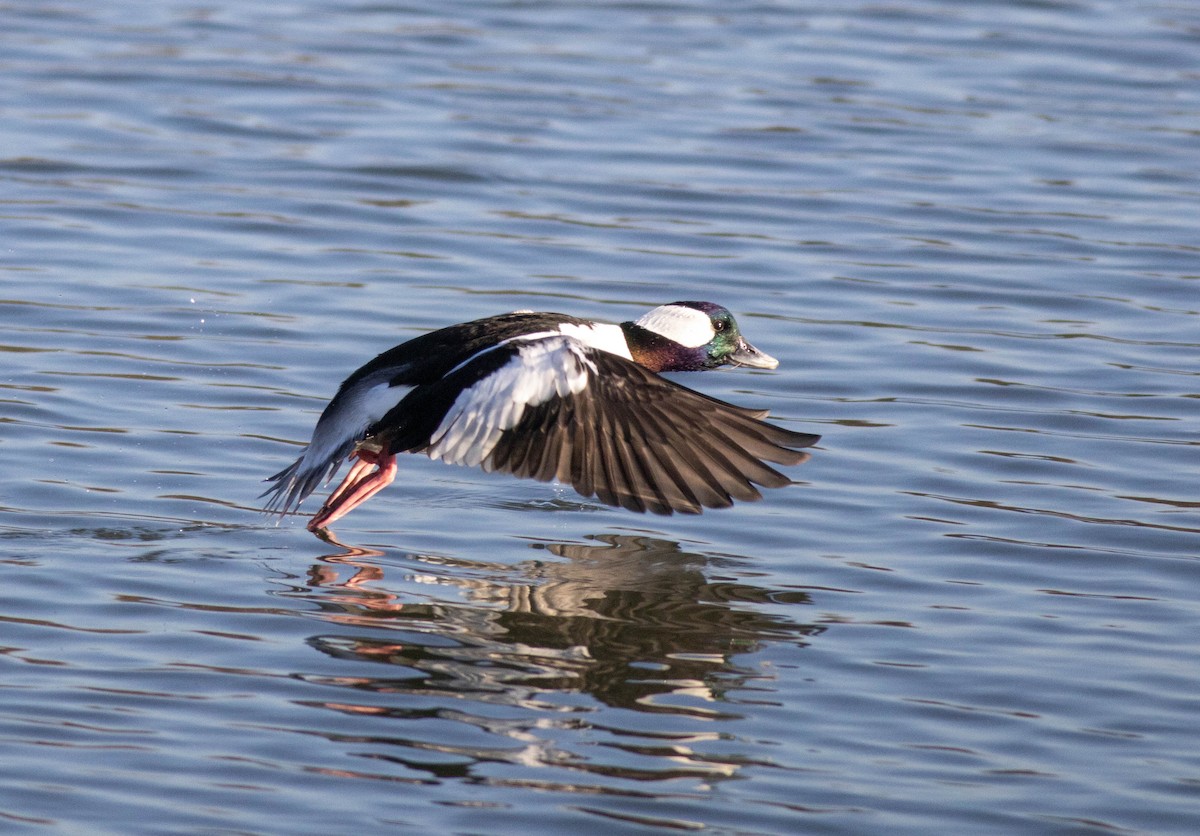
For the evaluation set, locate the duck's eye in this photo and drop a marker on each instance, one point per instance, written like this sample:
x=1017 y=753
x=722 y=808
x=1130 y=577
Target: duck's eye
x=718 y=325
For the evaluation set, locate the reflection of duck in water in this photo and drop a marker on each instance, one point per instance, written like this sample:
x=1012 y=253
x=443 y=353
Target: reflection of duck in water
x=632 y=621
x=550 y=396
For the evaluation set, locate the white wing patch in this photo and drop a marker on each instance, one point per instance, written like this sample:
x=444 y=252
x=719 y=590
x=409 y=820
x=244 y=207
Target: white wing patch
x=686 y=326
x=545 y=367
x=600 y=336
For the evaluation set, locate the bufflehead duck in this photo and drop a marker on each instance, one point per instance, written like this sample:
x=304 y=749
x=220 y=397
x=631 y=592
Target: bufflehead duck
x=550 y=396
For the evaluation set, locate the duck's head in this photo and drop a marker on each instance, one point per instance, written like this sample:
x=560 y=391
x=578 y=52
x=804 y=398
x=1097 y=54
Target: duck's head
x=691 y=336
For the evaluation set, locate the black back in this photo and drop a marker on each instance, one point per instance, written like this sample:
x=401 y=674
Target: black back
x=429 y=357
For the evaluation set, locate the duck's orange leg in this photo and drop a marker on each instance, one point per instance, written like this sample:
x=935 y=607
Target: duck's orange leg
x=364 y=460
x=358 y=486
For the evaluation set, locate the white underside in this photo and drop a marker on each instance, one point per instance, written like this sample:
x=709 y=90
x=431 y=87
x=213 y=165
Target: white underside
x=365 y=403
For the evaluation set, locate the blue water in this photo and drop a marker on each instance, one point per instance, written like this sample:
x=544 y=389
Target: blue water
x=968 y=232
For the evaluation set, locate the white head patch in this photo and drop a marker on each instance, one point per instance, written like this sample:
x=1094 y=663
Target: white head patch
x=686 y=326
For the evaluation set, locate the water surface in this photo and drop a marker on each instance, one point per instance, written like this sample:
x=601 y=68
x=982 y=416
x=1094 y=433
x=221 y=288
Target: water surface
x=966 y=230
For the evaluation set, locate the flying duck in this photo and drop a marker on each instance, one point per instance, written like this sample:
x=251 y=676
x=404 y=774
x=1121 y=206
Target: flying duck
x=550 y=396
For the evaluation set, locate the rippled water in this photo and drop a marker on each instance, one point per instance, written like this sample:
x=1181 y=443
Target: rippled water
x=968 y=231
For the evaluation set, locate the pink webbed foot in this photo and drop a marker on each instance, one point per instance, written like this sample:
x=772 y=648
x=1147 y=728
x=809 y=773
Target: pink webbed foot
x=360 y=484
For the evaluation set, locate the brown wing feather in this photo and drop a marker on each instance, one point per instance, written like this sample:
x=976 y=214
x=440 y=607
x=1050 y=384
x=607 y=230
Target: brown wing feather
x=637 y=440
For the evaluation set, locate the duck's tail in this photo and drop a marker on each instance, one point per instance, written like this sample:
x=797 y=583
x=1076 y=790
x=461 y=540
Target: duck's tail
x=294 y=483
x=343 y=427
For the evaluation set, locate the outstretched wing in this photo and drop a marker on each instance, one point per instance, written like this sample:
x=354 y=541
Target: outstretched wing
x=553 y=408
